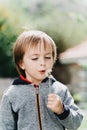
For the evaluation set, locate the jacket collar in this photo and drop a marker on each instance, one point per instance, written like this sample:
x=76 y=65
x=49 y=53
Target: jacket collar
x=21 y=80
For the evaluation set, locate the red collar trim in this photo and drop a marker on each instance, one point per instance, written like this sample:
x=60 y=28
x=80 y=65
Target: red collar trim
x=23 y=78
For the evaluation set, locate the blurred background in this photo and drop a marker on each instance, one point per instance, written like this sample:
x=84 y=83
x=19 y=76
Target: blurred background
x=66 y=22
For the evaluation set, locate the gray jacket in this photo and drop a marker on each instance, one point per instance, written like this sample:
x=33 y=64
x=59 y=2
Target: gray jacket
x=19 y=107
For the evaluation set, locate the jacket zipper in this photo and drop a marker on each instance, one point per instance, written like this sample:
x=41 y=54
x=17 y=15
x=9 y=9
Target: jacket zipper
x=38 y=106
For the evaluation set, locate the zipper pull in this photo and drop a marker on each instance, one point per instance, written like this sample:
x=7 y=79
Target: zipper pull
x=36 y=89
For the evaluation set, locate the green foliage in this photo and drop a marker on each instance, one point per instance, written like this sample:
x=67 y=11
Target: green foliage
x=7 y=37
x=77 y=98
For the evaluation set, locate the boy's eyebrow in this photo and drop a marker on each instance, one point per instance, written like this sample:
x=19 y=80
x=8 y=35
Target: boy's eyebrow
x=36 y=54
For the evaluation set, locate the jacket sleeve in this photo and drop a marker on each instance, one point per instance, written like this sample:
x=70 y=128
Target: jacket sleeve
x=72 y=117
x=7 y=116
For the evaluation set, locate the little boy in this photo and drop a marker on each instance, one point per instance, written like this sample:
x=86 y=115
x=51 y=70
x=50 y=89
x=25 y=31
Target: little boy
x=36 y=100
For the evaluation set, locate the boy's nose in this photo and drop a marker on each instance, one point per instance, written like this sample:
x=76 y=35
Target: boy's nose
x=42 y=62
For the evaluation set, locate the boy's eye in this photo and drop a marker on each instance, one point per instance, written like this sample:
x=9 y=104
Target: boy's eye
x=35 y=58
x=48 y=57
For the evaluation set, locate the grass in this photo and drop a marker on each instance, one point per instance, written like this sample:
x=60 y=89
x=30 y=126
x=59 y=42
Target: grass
x=84 y=122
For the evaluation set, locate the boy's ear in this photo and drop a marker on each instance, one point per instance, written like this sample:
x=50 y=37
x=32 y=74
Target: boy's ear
x=21 y=65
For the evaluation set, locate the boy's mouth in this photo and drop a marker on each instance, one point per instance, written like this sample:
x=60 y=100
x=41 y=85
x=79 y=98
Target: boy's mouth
x=42 y=71
x=46 y=72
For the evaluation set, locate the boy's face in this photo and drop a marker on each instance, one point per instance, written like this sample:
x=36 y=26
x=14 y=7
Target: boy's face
x=36 y=62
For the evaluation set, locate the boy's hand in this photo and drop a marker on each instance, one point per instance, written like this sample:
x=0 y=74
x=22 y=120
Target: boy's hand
x=55 y=104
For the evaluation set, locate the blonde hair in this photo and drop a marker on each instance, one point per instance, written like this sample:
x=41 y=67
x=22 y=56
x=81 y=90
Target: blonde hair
x=31 y=39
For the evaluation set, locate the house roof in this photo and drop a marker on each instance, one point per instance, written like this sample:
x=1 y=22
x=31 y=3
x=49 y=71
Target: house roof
x=75 y=54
